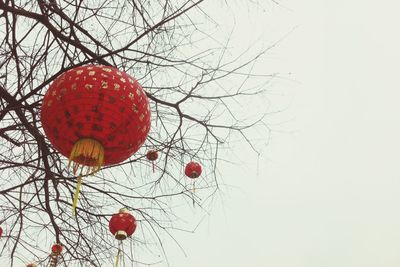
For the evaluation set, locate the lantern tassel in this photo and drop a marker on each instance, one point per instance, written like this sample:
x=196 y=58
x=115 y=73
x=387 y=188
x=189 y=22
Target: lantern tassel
x=153 y=165
x=86 y=152
x=118 y=254
x=194 y=190
x=76 y=196
x=53 y=260
x=117 y=259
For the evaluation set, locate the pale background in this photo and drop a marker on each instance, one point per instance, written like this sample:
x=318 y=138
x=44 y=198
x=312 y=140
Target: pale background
x=327 y=189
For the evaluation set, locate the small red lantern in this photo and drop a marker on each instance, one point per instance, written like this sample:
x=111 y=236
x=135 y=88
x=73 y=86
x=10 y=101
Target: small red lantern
x=122 y=224
x=152 y=155
x=56 y=250
x=193 y=170
x=96 y=116
x=31 y=265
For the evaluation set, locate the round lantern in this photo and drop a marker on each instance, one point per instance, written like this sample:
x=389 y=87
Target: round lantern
x=122 y=224
x=152 y=155
x=56 y=249
x=96 y=116
x=193 y=170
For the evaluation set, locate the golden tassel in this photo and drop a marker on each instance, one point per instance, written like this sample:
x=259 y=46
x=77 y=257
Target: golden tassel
x=118 y=254
x=53 y=260
x=76 y=196
x=194 y=190
x=85 y=152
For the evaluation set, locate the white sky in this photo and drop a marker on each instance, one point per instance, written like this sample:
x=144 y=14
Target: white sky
x=327 y=190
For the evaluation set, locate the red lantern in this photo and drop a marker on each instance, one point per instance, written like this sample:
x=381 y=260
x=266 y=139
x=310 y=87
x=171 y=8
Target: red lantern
x=96 y=116
x=122 y=224
x=56 y=250
x=31 y=265
x=152 y=155
x=193 y=170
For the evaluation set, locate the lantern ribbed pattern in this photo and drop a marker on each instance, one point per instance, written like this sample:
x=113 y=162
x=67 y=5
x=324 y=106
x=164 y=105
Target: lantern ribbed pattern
x=122 y=224
x=102 y=106
x=193 y=170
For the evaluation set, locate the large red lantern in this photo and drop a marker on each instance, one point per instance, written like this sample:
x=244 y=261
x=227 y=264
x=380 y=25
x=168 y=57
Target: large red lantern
x=122 y=224
x=96 y=116
x=193 y=170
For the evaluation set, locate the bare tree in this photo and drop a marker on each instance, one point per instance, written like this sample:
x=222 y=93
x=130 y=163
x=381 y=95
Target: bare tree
x=160 y=43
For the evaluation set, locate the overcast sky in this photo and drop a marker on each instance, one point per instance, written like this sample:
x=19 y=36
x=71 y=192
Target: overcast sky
x=327 y=190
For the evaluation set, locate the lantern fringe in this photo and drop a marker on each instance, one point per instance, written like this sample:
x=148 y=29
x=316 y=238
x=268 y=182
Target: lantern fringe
x=118 y=254
x=53 y=260
x=86 y=152
x=194 y=191
x=76 y=196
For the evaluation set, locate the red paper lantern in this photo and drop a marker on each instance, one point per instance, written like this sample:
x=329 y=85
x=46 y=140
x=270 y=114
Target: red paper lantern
x=95 y=115
x=122 y=224
x=193 y=170
x=152 y=155
x=56 y=249
x=31 y=265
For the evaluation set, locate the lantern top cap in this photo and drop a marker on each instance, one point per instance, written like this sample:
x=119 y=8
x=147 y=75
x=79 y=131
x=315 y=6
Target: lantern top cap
x=123 y=210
